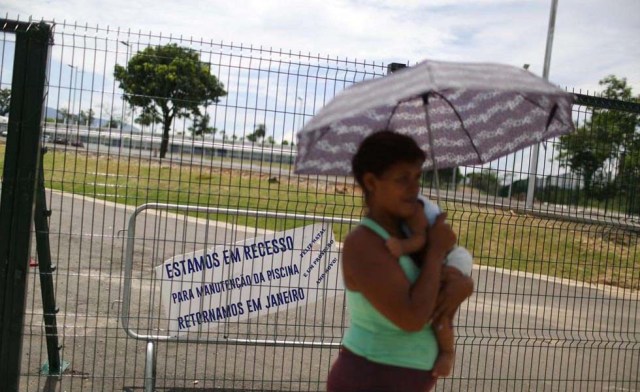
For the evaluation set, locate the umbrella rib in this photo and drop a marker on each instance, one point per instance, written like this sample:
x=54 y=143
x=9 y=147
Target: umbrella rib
x=553 y=110
x=320 y=135
x=551 y=116
x=461 y=123
x=391 y=115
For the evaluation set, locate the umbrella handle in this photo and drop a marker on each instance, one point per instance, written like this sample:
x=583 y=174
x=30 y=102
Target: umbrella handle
x=436 y=179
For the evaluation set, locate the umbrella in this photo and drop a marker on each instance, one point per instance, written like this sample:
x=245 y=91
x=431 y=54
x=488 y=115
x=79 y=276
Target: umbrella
x=458 y=113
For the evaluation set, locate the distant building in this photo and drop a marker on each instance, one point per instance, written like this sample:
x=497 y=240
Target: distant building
x=114 y=138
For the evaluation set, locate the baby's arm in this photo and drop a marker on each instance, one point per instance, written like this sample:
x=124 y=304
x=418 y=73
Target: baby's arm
x=418 y=226
x=399 y=247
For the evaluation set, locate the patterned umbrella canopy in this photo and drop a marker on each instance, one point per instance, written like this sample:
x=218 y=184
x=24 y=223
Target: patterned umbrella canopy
x=459 y=113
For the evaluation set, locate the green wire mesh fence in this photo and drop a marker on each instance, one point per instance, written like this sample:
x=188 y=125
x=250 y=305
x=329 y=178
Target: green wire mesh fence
x=557 y=285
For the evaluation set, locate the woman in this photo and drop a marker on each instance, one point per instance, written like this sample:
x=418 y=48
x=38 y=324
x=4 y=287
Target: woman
x=390 y=345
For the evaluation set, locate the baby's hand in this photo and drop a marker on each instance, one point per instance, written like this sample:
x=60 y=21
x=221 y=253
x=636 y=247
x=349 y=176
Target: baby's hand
x=395 y=247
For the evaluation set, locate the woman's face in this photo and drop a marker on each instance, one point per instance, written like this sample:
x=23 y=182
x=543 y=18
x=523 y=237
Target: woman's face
x=395 y=190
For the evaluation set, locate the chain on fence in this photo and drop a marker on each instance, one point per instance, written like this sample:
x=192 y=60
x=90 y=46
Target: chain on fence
x=188 y=256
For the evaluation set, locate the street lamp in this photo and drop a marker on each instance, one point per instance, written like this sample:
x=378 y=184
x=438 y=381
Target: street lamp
x=72 y=82
x=302 y=103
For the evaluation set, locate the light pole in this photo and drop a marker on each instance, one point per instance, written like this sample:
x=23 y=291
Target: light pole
x=126 y=64
x=303 y=103
x=126 y=57
x=533 y=162
x=72 y=82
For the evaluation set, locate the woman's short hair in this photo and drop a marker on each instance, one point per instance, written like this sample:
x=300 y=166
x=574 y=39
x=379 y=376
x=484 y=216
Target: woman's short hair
x=381 y=150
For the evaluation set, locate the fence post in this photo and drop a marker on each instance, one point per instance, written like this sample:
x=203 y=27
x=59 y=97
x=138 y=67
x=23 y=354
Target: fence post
x=46 y=275
x=22 y=158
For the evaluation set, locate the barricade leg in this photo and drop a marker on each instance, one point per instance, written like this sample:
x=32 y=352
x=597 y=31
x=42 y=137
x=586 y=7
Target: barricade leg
x=150 y=368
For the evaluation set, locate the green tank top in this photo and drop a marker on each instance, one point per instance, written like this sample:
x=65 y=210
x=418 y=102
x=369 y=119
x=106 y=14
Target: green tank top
x=376 y=338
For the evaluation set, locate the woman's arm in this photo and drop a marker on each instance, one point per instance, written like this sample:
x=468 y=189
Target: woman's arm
x=370 y=269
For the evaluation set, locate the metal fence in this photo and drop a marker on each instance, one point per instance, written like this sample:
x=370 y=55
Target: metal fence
x=556 y=302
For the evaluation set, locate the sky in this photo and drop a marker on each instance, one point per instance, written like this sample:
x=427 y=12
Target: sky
x=592 y=39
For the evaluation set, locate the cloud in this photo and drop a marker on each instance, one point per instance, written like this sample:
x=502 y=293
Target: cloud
x=595 y=40
x=592 y=39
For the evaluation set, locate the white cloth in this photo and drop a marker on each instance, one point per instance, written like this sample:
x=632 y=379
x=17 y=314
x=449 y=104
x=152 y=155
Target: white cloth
x=459 y=257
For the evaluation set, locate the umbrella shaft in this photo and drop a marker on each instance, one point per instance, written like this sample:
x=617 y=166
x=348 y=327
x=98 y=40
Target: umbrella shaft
x=425 y=100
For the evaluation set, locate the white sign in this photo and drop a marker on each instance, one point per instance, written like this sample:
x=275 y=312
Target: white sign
x=254 y=277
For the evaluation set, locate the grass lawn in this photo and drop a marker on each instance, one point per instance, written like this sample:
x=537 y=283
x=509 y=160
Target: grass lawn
x=584 y=252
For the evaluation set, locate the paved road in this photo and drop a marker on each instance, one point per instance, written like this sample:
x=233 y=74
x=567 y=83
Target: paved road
x=520 y=332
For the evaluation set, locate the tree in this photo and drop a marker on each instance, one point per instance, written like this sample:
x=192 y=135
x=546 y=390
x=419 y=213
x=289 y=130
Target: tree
x=270 y=140
x=632 y=184
x=113 y=123
x=82 y=118
x=201 y=126
x=64 y=115
x=486 y=181
x=517 y=188
x=148 y=117
x=91 y=116
x=259 y=132
x=169 y=81
x=445 y=176
x=585 y=152
x=86 y=118
x=608 y=137
x=5 y=101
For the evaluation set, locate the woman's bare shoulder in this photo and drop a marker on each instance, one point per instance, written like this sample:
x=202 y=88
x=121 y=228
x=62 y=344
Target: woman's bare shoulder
x=360 y=250
x=361 y=240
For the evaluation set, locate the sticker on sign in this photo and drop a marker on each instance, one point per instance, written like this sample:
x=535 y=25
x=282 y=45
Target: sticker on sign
x=258 y=276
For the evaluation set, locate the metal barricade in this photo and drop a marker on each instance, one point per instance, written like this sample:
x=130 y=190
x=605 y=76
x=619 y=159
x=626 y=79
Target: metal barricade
x=153 y=339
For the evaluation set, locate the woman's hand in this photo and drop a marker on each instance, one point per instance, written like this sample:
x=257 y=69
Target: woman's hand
x=441 y=238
